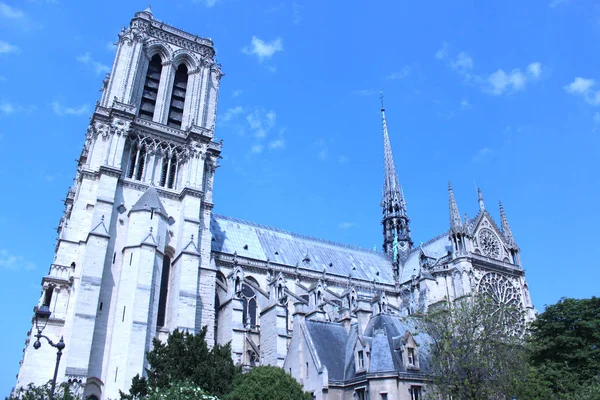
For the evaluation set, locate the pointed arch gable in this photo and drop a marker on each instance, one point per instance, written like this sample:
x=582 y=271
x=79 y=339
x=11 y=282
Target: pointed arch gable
x=183 y=56
x=154 y=47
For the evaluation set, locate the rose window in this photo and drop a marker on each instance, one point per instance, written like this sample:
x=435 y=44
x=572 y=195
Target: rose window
x=489 y=243
x=506 y=296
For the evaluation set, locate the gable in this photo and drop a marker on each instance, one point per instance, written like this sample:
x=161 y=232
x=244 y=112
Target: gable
x=488 y=239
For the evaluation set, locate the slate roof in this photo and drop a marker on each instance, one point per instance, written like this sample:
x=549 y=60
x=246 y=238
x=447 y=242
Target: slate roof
x=232 y=235
x=395 y=328
x=330 y=341
x=384 y=334
x=436 y=248
x=150 y=201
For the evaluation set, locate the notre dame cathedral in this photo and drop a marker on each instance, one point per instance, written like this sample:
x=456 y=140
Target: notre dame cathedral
x=140 y=252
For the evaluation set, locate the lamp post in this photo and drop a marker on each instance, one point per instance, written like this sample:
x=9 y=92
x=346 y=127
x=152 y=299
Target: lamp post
x=43 y=313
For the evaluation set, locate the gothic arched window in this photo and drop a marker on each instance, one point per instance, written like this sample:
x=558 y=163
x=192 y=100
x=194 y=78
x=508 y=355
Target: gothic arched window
x=151 y=88
x=178 y=97
x=137 y=161
x=168 y=170
x=164 y=291
x=249 y=312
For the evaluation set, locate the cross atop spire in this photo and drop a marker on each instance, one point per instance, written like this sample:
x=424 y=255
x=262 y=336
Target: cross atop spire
x=396 y=230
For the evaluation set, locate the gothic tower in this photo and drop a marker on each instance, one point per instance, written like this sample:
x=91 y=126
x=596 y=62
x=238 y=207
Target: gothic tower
x=132 y=258
x=396 y=230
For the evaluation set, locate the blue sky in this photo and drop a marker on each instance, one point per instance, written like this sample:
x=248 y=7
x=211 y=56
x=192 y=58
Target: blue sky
x=488 y=94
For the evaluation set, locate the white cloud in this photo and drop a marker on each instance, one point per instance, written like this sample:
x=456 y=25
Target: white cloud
x=482 y=154
x=61 y=110
x=535 y=69
x=342 y=159
x=12 y=262
x=263 y=49
x=557 y=3
x=464 y=103
x=580 y=85
x=442 y=53
x=364 y=92
x=7 y=48
x=297 y=18
x=496 y=83
x=8 y=108
x=346 y=225
x=232 y=113
x=261 y=122
x=585 y=88
x=236 y=93
x=322 y=154
x=402 y=74
x=257 y=148
x=98 y=67
x=9 y=12
x=463 y=62
x=276 y=144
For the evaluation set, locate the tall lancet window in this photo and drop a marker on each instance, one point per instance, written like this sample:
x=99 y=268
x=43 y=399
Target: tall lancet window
x=137 y=161
x=151 y=88
x=178 y=97
x=168 y=170
x=164 y=291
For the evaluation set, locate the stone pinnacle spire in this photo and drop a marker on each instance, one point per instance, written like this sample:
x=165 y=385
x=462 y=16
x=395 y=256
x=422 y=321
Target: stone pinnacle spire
x=506 y=228
x=455 y=220
x=396 y=230
x=391 y=189
x=480 y=199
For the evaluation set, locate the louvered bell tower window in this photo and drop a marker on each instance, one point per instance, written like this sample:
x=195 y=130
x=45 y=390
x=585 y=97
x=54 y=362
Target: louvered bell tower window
x=151 y=88
x=178 y=97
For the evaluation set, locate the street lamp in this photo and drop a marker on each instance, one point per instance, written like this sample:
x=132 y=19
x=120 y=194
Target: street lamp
x=43 y=313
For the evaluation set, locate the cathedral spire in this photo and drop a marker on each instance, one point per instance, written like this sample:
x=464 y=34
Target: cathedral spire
x=455 y=220
x=506 y=228
x=396 y=230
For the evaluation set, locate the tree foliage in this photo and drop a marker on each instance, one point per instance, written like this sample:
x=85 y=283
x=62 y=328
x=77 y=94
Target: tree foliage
x=179 y=391
x=473 y=354
x=267 y=383
x=564 y=345
x=32 y=392
x=185 y=357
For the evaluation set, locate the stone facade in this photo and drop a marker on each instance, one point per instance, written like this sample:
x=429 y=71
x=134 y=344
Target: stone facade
x=140 y=252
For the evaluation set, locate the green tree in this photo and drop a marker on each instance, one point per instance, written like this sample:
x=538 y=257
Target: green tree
x=180 y=391
x=32 y=392
x=267 y=383
x=185 y=357
x=474 y=355
x=564 y=346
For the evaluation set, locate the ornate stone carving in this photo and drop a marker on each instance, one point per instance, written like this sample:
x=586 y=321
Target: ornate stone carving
x=489 y=243
x=499 y=289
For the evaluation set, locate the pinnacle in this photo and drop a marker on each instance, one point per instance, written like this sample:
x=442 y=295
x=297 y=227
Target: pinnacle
x=455 y=219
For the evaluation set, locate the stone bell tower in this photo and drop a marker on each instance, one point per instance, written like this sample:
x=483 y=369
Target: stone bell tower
x=132 y=258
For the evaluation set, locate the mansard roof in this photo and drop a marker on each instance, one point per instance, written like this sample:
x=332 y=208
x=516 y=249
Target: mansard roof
x=385 y=333
x=262 y=242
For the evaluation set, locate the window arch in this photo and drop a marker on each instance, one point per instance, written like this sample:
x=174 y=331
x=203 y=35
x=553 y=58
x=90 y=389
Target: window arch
x=137 y=161
x=249 y=306
x=178 y=97
x=164 y=291
x=48 y=296
x=151 y=84
x=168 y=170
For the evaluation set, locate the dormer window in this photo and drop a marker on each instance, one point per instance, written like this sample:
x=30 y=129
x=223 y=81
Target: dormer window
x=411 y=356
